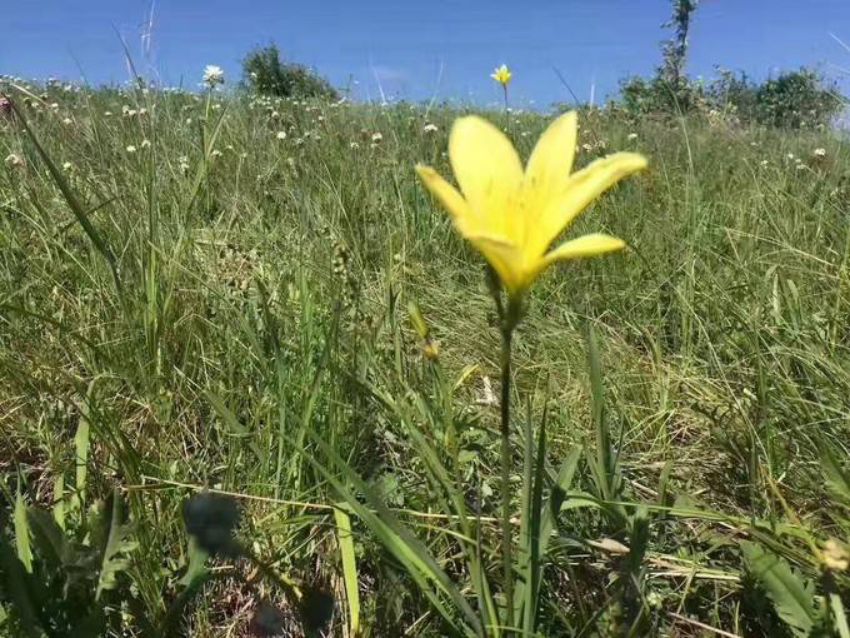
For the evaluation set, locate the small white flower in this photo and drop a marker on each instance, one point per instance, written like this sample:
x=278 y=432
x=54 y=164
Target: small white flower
x=131 y=149
x=430 y=128
x=377 y=137
x=281 y=135
x=274 y=115
x=354 y=145
x=55 y=106
x=215 y=154
x=67 y=121
x=183 y=164
x=143 y=112
x=107 y=114
x=14 y=161
x=213 y=75
x=763 y=163
x=819 y=152
x=586 y=147
x=632 y=137
x=67 y=166
x=188 y=121
x=488 y=398
x=790 y=156
x=145 y=144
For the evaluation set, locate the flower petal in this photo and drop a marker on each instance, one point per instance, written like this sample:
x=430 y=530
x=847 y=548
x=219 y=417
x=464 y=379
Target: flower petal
x=505 y=258
x=578 y=192
x=489 y=172
x=546 y=173
x=552 y=158
x=585 y=246
x=449 y=198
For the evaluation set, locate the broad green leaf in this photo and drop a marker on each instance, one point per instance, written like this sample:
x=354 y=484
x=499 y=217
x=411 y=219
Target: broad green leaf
x=59 y=500
x=563 y=481
x=345 y=539
x=836 y=476
x=82 y=442
x=197 y=567
x=16 y=581
x=22 y=533
x=839 y=615
x=792 y=597
x=48 y=539
x=115 y=556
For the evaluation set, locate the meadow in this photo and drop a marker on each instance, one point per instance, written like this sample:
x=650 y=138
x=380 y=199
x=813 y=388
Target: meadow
x=227 y=294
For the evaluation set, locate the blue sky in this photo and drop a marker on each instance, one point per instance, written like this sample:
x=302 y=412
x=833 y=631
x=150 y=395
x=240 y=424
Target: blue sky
x=416 y=50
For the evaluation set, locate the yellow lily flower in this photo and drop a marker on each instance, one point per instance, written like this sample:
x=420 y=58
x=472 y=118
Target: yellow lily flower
x=502 y=75
x=512 y=216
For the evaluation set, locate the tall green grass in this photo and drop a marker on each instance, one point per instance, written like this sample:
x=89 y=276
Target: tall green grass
x=226 y=310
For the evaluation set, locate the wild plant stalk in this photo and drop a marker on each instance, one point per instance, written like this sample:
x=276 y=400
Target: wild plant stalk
x=508 y=319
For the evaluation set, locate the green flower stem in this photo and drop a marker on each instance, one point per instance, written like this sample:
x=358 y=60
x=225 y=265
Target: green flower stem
x=509 y=322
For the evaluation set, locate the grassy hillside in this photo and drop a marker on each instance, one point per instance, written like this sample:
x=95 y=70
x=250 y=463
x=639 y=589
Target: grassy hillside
x=239 y=294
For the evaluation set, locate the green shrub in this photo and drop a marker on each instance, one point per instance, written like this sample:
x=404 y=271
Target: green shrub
x=265 y=73
x=656 y=95
x=796 y=99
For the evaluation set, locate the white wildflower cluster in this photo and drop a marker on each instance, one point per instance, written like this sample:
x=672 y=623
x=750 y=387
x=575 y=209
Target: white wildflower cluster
x=598 y=145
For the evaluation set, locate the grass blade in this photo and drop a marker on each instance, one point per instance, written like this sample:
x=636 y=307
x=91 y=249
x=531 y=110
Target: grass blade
x=345 y=540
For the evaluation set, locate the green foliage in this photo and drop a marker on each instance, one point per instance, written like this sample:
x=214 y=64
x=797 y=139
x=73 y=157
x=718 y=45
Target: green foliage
x=70 y=583
x=642 y=96
x=793 y=99
x=266 y=74
x=255 y=340
x=792 y=596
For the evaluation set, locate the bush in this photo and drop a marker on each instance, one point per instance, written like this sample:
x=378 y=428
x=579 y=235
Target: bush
x=656 y=95
x=797 y=99
x=265 y=73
